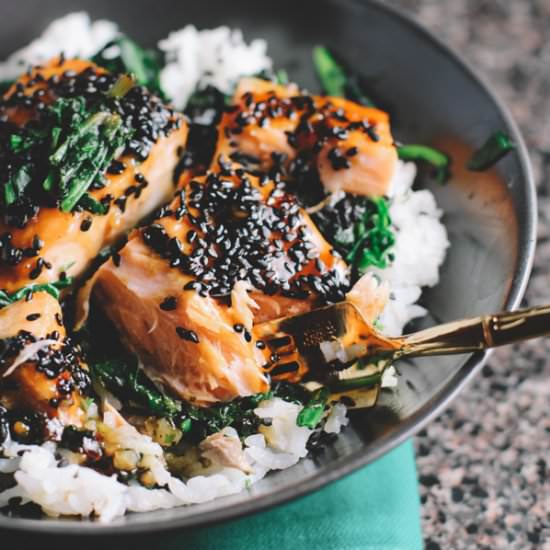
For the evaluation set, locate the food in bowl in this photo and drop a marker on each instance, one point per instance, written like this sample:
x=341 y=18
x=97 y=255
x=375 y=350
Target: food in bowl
x=156 y=206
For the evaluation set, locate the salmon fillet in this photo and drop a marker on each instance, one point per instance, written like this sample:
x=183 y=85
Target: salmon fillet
x=232 y=249
x=40 y=369
x=38 y=241
x=348 y=145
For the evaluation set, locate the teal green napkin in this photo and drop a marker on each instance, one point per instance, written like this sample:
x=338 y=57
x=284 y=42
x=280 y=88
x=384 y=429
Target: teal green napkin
x=376 y=508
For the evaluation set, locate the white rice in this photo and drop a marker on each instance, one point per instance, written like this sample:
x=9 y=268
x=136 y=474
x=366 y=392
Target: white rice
x=216 y=57
x=420 y=247
x=74 y=35
x=77 y=490
x=336 y=419
x=196 y=59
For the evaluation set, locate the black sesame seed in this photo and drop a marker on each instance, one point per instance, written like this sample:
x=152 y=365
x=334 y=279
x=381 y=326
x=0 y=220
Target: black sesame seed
x=238 y=235
x=371 y=132
x=337 y=160
x=188 y=335
x=86 y=224
x=169 y=303
x=37 y=243
x=191 y=285
x=36 y=271
x=30 y=252
x=121 y=203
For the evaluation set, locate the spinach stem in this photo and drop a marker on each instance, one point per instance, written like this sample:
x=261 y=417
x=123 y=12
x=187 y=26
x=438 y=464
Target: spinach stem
x=496 y=147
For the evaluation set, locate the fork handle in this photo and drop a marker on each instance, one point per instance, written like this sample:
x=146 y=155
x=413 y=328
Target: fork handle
x=478 y=333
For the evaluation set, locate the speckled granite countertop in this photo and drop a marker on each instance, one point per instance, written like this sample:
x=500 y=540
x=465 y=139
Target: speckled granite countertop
x=484 y=464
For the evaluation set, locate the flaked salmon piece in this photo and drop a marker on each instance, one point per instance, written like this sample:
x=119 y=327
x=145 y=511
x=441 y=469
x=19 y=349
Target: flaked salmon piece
x=349 y=145
x=40 y=369
x=192 y=349
x=225 y=449
x=369 y=296
x=39 y=242
x=232 y=249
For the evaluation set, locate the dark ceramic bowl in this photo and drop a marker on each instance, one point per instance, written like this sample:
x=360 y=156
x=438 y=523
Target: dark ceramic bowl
x=431 y=94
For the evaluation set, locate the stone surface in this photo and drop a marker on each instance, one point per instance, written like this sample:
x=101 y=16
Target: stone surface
x=484 y=464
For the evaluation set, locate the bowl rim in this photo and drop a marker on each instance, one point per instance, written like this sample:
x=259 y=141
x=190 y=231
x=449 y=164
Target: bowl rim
x=408 y=427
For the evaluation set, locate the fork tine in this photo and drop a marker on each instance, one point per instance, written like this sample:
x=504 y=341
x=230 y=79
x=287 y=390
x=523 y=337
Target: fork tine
x=281 y=343
x=293 y=345
x=307 y=329
x=283 y=362
x=278 y=370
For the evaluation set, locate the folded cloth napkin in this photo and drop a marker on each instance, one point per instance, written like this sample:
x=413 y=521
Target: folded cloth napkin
x=376 y=508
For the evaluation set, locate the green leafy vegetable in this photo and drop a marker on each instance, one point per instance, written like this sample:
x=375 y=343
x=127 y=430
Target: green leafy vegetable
x=128 y=383
x=373 y=238
x=355 y=91
x=123 y=55
x=87 y=202
x=496 y=147
x=74 y=145
x=361 y=382
x=336 y=80
x=313 y=410
x=332 y=76
x=83 y=144
x=294 y=393
x=440 y=161
x=281 y=77
x=5 y=85
x=10 y=195
x=124 y=378
x=238 y=413
x=19 y=174
x=360 y=230
x=15 y=187
x=54 y=289
x=186 y=425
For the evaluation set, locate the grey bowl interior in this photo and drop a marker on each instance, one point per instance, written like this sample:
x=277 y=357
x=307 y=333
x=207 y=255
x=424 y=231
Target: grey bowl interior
x=430 y=93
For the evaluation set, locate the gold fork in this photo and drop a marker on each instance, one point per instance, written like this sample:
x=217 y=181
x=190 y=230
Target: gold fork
x=323 y=344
